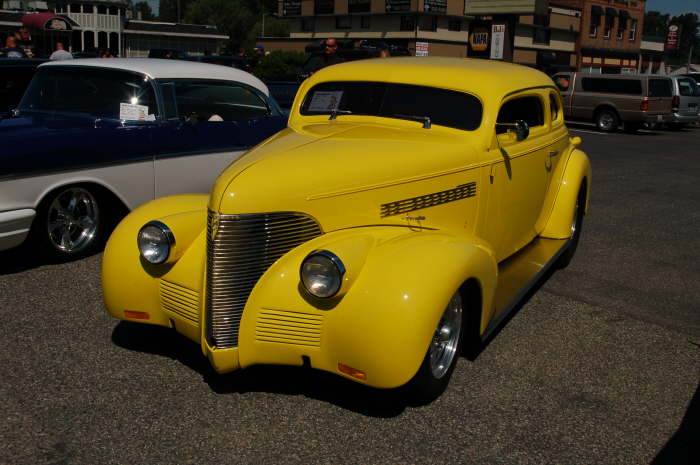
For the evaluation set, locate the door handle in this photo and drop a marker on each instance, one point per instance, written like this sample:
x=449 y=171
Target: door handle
x=553 y=153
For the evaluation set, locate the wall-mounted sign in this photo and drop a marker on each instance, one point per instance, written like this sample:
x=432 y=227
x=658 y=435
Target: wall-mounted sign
x=422 y=49
x=498 y=37
x=57 y=25
x=479 y=39
x=673 y=36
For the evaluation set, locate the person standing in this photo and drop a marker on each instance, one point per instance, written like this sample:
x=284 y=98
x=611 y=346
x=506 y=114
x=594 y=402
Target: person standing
x=330 y=55
x=11 y=50
x=60 y=53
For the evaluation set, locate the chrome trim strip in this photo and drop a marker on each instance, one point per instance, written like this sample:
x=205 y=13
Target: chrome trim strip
x=460 y=192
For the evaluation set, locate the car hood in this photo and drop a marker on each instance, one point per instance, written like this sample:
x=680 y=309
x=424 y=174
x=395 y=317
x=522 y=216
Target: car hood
x=343 y=173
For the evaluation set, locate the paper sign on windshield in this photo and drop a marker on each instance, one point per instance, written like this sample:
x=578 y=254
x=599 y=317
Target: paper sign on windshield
x=132 y=112
x=326 y=101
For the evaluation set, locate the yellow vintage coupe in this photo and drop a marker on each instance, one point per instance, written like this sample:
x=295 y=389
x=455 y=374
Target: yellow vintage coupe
x=407 y=208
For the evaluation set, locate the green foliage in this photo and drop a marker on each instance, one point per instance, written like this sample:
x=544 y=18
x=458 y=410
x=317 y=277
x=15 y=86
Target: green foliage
x=173 y=11
x=144 y=9
x=278 y=64
x=656 y=24
x=240 y=19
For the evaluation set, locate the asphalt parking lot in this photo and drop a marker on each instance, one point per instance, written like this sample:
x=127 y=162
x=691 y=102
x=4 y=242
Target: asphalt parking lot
x=600 y=366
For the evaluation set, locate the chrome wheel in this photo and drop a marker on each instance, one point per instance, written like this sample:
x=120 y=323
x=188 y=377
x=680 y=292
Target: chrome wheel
x=606 y=121
x=443 y=347
x=72 y=220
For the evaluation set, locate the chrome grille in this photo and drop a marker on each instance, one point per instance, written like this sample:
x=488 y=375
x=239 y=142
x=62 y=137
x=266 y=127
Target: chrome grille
x=240 y=248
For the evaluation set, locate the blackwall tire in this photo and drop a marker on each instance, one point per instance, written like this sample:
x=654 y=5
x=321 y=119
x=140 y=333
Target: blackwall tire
x=606 y=120
x=576 y=226
x=441 y=357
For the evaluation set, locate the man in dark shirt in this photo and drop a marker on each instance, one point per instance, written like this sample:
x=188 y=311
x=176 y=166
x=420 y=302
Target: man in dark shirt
x=11 y=50
x=329 y=56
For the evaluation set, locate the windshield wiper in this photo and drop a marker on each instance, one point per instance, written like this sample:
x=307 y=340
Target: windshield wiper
x=335 y=113
x=421 y=119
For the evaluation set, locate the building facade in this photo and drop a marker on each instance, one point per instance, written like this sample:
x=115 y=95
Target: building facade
x=89 y=26
x=610 y=39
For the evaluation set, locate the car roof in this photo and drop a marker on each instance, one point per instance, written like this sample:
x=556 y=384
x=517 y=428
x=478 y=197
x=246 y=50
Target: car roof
x=487 y=79
x=157 y=68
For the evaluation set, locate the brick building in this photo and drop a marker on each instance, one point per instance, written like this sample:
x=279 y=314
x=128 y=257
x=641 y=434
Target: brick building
x=610 y=38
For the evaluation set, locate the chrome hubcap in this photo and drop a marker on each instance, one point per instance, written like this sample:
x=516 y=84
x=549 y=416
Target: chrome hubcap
x=606 y=121
x=443 y=347
x=72 y=220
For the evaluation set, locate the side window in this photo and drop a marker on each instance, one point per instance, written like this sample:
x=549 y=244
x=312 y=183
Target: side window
x=554 y=107
x=217 y=101
x=613 y=86
x=528 y=109
x=687 y=87
x=563 y=81
x=660 y=88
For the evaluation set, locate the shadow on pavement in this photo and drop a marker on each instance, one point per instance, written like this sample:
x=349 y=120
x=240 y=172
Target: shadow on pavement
x=19 y=259
x=275 y=379
x=592 y=128
x=684 y=446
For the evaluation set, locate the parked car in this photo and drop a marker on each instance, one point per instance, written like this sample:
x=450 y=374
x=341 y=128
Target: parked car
x=613 y=99
x=686 y=102
x=15 y=75
x=92 y=137
x=406 y=209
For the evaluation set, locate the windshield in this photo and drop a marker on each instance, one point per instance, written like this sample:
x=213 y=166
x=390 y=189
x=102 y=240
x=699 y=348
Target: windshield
x=402 y=101
x=102 y=93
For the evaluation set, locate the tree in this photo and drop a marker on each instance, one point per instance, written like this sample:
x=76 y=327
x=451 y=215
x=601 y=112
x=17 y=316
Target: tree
x=655 y=24
x=231 y=16
x=173 y=11
x=280 y=65
x=144 y=9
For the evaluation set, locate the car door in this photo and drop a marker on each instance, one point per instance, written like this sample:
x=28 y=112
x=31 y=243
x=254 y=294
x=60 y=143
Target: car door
x=518 y=178
x=209 y=124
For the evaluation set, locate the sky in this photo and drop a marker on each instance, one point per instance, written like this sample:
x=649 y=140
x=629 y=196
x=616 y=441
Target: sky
x=674 y=7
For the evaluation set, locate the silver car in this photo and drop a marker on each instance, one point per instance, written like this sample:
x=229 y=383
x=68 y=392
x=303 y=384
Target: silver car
x=686 y=102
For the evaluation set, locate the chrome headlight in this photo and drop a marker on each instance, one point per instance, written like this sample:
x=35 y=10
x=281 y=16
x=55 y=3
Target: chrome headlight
x=155 y=240
x=322 y=273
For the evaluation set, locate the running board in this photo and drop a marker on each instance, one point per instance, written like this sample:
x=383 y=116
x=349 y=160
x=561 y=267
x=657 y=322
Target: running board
x=518 y=274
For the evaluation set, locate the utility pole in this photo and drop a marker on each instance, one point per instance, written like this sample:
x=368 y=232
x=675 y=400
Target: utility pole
x=690 y=58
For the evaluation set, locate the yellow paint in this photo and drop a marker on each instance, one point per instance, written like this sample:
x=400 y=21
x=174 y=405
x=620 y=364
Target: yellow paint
x=401 y=269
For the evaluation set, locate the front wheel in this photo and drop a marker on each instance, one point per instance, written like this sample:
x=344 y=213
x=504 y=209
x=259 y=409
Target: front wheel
x=70 y=223
x=441 y=357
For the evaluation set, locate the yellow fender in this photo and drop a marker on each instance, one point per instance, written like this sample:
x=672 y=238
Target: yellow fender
x=130 y=283
x=397 y=285
x=578 y=169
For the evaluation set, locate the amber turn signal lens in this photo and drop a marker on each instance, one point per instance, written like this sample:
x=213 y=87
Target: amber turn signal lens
x=136 y=315
x=352 y=372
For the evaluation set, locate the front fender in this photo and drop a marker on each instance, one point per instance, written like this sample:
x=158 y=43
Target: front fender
x=397 y=285
x=578 y=170
x=129 y=283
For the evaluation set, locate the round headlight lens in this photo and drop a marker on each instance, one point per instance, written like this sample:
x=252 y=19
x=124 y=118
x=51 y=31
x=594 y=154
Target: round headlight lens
x=322 y=273
x=155 y=241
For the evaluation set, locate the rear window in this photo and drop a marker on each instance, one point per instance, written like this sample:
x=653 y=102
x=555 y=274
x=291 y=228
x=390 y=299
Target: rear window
x=613 y=86
x=660 y=88
x=444 y=107
x=688 y=87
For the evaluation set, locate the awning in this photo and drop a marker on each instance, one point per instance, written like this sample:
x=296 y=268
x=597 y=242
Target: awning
x=47 y=22
x=624 y=16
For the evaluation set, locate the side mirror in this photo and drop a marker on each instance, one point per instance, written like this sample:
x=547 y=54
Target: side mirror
x=522 y=130
x=519 y=127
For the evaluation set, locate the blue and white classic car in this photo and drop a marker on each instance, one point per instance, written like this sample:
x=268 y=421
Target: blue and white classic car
x=92 y=139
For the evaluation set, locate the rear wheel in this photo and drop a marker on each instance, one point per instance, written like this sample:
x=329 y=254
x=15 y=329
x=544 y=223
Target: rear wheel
x=441 y=357
x=606 y=120
x=576 y=225
x=70 y=223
